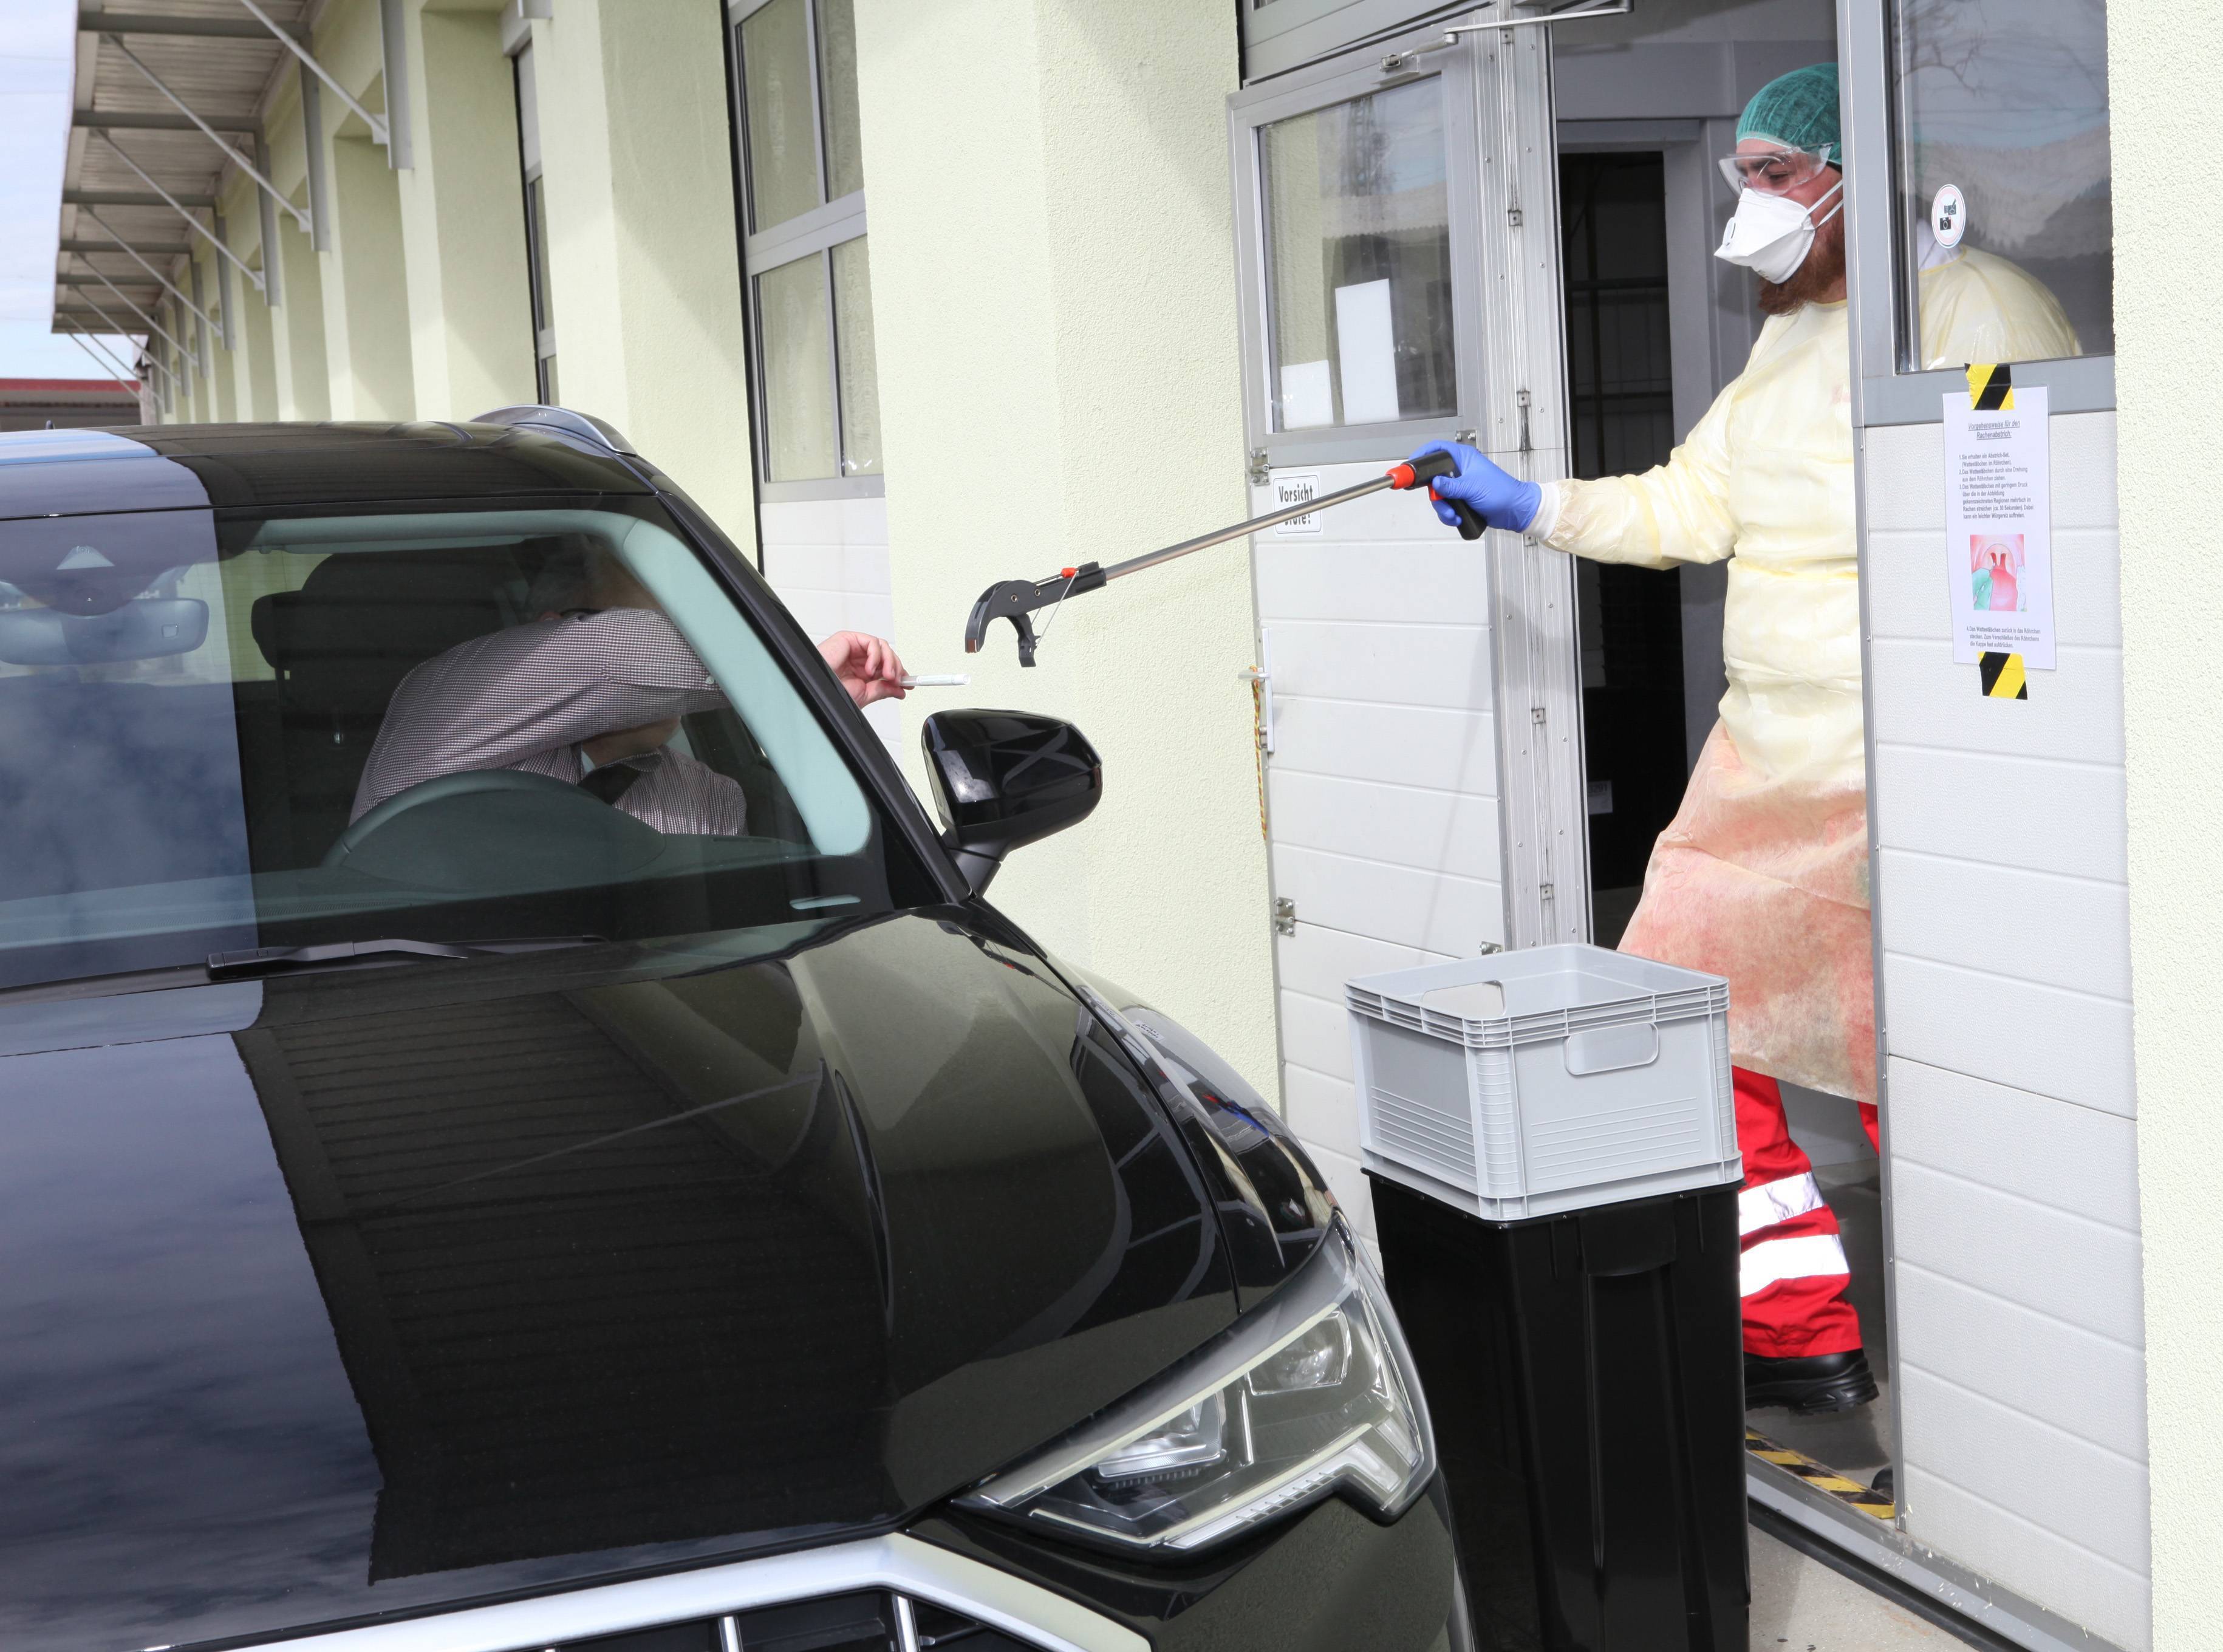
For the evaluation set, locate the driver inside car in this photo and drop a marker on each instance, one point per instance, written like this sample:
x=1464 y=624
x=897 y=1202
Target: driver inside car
x=589 y=691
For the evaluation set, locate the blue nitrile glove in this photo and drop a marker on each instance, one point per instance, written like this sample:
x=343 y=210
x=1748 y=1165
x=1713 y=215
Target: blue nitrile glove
x=1500 y=499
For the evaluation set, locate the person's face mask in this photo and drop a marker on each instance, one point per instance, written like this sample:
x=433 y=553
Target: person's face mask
x=1770 y=234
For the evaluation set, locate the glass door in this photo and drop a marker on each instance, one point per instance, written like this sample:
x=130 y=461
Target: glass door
x=1420 y=721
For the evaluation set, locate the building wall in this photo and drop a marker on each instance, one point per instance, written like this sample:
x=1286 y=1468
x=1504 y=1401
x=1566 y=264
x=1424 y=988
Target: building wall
x=2168 y=246
x=2004 y=904
x=1051 y=237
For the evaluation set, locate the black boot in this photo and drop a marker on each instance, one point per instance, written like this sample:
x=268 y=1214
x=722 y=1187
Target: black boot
x=1810 y=1384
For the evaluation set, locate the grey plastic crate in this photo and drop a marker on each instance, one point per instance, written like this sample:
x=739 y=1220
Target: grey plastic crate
x=1546 y=1080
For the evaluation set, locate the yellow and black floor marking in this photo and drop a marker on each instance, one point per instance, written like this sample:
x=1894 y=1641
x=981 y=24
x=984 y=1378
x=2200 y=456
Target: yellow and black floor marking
x=1852 y=1493
x=2002 y=676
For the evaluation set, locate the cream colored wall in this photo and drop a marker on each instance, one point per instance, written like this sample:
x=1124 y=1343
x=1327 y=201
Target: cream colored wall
x=2169 y=244
x=462 y=218
x=1052 y=262
x=644 y=265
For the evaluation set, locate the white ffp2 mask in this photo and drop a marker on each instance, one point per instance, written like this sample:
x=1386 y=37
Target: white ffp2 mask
x=1770 y=234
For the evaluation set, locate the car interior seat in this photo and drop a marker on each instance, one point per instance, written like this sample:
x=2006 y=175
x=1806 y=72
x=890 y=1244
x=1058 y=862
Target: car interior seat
x=340 y=647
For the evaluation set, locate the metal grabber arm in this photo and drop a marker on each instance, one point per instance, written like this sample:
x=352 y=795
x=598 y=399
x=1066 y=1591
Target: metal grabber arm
x=1017 y=599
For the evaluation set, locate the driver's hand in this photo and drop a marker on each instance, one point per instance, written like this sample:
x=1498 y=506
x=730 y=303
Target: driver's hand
x=867 y=666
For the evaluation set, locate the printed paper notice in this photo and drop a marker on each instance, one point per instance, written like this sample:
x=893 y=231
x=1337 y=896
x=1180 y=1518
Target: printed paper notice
x=1998 y=528
x=1291 y=489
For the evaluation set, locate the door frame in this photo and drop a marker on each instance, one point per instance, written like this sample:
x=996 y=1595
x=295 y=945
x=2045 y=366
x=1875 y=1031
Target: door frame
x=1501 y=199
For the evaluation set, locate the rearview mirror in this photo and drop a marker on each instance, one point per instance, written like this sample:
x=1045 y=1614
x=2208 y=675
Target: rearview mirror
x=149 y=629
x=1002 y=779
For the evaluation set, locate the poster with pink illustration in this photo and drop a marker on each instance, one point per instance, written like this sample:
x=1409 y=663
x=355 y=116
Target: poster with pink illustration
x=1998 y=528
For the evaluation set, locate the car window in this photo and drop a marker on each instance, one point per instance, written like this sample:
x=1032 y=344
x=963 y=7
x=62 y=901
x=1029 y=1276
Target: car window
x=217 y=735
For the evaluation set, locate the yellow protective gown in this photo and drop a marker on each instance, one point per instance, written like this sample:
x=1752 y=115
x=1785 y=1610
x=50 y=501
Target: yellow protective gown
x=1762 y=876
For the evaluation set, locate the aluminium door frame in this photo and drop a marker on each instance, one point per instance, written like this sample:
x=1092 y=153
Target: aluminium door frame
x=1883 y=395
x=1508 y=329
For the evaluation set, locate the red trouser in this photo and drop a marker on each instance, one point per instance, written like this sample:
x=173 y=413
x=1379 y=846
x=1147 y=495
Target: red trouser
x=1794 y=1275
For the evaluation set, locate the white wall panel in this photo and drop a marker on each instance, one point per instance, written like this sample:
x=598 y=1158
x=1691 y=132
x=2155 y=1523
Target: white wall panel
x=1401 y=904
x=2035 y=926
x=2110 y=1599
x=2065 y=1266
x=1403 y=745
x=2071 y=1379
x=1446 y=666
x=1987 y=1023
x=2002 y=892
x=2071 y=1158
x=1408 y=824
x=2010 y=811
x=827 y=558
x=2094 y=1497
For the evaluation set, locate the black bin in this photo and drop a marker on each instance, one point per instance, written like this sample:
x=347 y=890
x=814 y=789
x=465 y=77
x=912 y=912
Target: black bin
x=1585 y=1377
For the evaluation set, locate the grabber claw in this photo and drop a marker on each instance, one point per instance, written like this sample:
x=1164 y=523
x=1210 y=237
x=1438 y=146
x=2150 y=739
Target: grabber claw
x=1015 y=599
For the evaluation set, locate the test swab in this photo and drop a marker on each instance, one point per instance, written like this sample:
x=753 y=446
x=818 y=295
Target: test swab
x=938 y=680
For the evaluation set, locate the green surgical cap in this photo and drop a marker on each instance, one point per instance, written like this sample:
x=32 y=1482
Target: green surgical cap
x=1798 y=109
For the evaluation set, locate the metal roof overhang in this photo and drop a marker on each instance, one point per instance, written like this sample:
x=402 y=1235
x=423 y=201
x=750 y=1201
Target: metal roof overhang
x=171 y=96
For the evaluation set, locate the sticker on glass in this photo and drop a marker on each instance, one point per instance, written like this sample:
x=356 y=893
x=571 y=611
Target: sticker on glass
x=1949 y=216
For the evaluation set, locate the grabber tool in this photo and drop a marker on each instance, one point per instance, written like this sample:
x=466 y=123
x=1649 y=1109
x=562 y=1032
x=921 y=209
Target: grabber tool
x=1015 y=599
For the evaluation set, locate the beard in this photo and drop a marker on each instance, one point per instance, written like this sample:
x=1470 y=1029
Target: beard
x=1815 y=281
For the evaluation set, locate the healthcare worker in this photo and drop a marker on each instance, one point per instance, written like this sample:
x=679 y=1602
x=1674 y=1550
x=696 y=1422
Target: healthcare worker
x=1762 y=876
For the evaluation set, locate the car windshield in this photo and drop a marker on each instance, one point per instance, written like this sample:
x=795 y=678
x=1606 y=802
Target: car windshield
x=222 y=732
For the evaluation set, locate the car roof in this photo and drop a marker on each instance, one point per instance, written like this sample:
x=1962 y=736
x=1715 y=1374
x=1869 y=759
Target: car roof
x=171 y=467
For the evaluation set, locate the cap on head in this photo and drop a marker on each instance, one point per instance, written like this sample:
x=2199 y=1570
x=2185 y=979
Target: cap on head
x=1798 y=109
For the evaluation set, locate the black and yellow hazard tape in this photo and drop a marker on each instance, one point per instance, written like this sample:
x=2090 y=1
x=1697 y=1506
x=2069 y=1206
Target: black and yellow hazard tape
x=1851 y=1493
x=1991 y=388
x=2002 y=677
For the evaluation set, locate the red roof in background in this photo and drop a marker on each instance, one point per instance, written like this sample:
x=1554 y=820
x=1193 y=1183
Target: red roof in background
x=48 y=387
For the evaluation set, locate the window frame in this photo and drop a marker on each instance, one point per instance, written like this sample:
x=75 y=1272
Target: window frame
x=814 y=234
x=1303 y=92
x=1883 y=394
x=532 y=173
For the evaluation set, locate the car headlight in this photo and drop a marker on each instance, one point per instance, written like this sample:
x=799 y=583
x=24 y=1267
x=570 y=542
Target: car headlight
x=1312 y=1393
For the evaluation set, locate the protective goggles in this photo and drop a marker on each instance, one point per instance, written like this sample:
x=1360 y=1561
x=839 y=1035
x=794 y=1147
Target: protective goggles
x=1773 y=172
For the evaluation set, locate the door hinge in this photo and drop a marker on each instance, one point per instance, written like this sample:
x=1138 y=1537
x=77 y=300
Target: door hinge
x=1259 y=475
x=1285 y=915
x=1486 y=948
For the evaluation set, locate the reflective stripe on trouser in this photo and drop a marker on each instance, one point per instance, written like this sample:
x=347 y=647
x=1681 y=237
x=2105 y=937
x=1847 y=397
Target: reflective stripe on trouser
x=1794 y=1266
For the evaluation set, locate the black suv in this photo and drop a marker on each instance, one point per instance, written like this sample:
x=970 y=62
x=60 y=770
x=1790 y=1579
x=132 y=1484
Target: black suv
x=484 y=1221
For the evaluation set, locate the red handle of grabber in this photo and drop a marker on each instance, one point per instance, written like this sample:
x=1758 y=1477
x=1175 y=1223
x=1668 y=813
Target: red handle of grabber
x=1411 y=473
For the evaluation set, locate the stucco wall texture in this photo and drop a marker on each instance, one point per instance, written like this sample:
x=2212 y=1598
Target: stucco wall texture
x=1051 y=253
x=2165 y=59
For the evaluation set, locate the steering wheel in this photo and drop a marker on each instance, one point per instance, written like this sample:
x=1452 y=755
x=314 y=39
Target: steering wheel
x=485 y=831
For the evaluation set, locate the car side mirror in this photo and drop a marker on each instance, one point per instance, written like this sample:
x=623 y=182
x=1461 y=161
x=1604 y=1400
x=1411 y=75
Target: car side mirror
x=1002 y=779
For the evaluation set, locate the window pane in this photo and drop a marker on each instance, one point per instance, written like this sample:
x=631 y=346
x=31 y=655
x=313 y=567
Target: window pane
x=860 y=378
x=1358 y=262
x=179 y=787
x=535 y=225
x=798 y=347
x=2004 y=101
x=837 y=88
x=782 y=129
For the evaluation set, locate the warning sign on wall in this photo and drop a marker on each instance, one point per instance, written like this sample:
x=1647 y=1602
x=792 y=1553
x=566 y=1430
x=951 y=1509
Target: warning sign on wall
x=1999 y=520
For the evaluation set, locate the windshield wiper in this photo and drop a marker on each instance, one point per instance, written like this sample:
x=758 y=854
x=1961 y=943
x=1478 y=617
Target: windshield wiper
x=256 y=960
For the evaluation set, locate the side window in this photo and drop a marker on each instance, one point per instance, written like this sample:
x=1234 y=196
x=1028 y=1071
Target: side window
x=1358 y=262
x=804 y=252
x=536 y=228
x=1999 y=116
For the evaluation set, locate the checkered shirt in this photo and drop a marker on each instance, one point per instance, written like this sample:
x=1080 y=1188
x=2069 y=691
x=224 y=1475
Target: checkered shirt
x=528 y=697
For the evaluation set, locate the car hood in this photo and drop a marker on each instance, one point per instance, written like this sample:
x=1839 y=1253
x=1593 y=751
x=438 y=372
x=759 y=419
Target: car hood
x=375 y=1292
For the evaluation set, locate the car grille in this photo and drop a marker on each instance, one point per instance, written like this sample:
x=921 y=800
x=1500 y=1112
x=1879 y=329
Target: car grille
x=875 y=1621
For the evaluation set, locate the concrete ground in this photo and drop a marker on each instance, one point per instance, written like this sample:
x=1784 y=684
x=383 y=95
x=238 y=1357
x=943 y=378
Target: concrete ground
x=1798 y=1604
